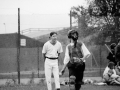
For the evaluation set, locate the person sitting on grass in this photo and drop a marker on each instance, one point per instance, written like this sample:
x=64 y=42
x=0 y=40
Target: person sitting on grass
x=109 y=75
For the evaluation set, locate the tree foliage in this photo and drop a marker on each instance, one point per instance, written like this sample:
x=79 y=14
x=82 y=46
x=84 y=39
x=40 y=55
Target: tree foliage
x=102 y=16
x=110 y=11
x=86 y=24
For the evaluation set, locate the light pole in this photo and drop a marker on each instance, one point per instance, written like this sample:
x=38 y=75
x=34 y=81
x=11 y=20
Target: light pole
x=70 y=19
x=5 y=27
x=18 y=47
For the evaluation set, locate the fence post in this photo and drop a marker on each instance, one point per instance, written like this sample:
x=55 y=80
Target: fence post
x=38 y=61
x=100 y=60
x=70 y=19
x=18 y=47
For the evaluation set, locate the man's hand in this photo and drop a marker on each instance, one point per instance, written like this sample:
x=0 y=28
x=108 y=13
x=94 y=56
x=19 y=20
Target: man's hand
x=61 y=72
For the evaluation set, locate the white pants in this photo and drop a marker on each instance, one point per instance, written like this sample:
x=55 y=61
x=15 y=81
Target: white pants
x=51 y=66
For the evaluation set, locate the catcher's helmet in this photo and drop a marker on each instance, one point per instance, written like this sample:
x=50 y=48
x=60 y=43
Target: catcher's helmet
x=73 y=34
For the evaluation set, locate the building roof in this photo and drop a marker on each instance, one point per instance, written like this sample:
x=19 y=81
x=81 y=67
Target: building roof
x=10 y=41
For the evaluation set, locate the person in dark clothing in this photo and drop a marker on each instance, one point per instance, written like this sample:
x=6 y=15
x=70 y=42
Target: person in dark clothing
x=111 y=55
x=117 y=51
x=75 y=55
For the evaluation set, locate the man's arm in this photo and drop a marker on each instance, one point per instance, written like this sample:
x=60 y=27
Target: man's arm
x=44 y=51
x=60 y=50
x=58 y=58
x=43 y=55
x=63 y=69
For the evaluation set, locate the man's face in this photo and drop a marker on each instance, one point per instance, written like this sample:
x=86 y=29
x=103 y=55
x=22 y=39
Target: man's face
x=54 y=37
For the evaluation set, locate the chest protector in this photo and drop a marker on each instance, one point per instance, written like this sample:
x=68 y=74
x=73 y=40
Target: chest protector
x=75 y=53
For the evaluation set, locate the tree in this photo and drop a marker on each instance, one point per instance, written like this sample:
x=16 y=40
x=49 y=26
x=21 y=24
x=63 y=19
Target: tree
x=101 y=15
x=110 y=11
x=80 y=14
x=86 y=23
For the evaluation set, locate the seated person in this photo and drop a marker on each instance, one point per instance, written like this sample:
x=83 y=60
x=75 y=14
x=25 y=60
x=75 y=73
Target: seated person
x=109 y=74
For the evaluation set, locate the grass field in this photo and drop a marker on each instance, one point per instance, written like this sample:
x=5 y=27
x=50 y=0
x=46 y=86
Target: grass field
x=43 y=87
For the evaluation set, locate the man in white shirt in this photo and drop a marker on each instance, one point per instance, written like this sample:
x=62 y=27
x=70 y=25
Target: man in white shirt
x=75 y=55
x=51 y=51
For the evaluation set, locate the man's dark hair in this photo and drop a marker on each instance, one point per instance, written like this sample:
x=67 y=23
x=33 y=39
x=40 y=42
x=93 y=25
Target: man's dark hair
x=111 y=64
x=53 y=33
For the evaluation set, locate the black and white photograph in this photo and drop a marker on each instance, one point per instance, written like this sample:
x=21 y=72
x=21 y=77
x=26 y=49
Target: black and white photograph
x=59 y=44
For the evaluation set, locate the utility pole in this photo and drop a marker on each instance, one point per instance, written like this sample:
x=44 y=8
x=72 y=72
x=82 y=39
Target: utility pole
x=100 y=60
x=38 y=60
x=70 y=20
x=18 y=47
x=5 y=27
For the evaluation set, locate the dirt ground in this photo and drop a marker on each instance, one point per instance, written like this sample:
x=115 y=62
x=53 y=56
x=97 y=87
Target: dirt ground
x=43 y=87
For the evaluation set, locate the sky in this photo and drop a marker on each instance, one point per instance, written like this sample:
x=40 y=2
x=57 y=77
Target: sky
x=35 y=14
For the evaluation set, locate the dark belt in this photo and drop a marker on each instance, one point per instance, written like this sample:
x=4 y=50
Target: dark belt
x=52 y=58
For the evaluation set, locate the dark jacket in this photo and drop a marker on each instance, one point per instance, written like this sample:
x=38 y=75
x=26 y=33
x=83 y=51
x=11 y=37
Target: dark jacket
x=117 y=52
x=111 y=57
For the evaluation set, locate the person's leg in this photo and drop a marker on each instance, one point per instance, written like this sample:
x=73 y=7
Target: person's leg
x=72 y=82
x=56 y=76
x=79 y=76
x=72 y=77
x=48 y=72
x=77 y=86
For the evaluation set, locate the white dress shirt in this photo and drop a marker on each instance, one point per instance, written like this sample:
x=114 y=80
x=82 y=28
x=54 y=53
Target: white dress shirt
x=52 y=50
